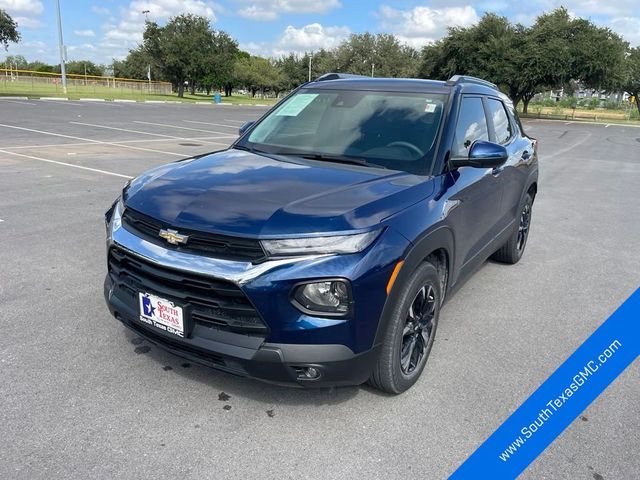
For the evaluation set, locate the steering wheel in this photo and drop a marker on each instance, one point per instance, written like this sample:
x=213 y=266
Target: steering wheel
x=408 y=146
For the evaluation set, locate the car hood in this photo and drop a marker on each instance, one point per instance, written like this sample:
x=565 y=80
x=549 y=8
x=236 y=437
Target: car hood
x=242 y=193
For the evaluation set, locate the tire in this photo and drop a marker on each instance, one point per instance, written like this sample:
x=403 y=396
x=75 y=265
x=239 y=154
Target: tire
x=511 y=252
x=392 y=373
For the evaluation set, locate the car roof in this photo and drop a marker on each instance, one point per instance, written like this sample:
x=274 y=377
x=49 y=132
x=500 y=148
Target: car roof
x=461 y=84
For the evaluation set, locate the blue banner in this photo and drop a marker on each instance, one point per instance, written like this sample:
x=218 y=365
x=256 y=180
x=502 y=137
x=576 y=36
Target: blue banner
x=560 y=399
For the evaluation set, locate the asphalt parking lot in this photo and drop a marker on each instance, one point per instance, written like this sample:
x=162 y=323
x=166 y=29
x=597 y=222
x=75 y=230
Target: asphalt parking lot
x=84 y=398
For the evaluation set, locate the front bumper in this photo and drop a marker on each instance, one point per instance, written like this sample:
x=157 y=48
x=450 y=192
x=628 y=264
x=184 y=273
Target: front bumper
x=342 y=349
x=244 y=356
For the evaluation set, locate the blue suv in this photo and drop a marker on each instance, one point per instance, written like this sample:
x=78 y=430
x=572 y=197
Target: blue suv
x=318 y=249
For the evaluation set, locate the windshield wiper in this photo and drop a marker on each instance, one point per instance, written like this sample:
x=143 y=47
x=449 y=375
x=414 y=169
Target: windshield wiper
x=333 y=158
x=247 y=149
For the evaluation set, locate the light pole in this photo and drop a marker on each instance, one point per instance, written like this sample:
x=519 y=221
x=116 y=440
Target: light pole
x=310 y=57
x=63 y=70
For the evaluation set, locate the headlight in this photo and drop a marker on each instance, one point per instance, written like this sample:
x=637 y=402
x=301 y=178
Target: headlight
x=113 y=214
x=317 y=245
x=330 y=297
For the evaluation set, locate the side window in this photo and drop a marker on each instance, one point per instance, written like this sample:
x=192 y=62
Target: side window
x=472 y=126
x=515 y=118
x=500 y=120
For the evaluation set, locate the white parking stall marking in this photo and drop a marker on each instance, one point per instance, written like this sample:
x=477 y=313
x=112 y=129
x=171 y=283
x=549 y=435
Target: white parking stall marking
x=17 y=101
x=98 y=142
x=222 y=134
x=120 y=143
x=240 y=122
x=96 y=170
x=214 y=124
x=141 y=133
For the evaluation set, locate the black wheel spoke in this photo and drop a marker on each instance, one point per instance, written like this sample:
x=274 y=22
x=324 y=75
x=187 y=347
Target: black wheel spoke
x=523 y=227
x=407 y=354
x=416 y=333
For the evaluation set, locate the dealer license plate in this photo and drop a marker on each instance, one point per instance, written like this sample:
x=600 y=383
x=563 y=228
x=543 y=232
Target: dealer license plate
x=161 y=313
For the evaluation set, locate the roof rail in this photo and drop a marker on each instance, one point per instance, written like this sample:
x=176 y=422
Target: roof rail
x=337 y=76
x=457 y=79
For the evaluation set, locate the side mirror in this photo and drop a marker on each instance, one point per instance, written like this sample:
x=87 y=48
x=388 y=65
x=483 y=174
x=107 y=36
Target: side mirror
x=245 y=127
x=482 y=155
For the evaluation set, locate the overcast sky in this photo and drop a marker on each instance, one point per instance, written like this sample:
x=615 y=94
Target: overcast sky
x=102 y=30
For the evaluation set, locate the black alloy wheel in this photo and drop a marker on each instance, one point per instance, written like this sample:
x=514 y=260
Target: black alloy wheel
x=417 y=332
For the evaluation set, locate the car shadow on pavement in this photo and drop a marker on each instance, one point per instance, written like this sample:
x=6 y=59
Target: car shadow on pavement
x=224 y=384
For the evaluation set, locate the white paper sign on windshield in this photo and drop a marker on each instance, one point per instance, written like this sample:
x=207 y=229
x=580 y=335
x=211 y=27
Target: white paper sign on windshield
x=298 y=103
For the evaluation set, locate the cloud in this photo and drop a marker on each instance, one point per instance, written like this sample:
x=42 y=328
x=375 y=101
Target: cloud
x=126 y=33
x=256 y=12
x=422 y=25
x=271 y=9
x=84 y=33
x=100 y=10
x=28 y=22
x=299 y=40
x=629 y=28
x=22 y=6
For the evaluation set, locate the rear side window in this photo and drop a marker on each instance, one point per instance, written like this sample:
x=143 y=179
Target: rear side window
x=515 y=118
x=500 y=120
x=472 y=126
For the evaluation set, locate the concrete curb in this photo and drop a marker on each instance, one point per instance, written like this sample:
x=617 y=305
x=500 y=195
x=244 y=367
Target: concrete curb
x=124 y=100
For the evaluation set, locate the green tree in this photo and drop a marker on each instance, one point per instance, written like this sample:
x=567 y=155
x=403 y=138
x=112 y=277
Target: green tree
x=136 y=65
x=258 y=74
x=8 y=30
x=294 y=70
x=381 y=54
x=556 y=50
x=630 y=81
x=178 y=48
x=15 y=61
x=38 y=66
x=79 y=67
x=219 y=65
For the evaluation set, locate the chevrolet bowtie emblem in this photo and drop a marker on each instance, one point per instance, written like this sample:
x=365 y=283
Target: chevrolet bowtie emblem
x=173 y=237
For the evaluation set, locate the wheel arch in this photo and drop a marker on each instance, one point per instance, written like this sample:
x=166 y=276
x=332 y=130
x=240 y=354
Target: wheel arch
x=436 y=246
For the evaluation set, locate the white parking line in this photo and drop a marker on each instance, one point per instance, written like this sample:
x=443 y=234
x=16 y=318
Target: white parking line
x=66 y=164
x=230 y=120
x=225 y=134
x=17 y=101
x=120 y=143
x=209 y=123
x=139 y=132
x=89 y=140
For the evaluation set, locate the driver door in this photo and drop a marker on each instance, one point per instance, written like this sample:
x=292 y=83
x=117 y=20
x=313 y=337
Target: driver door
x=477 y=191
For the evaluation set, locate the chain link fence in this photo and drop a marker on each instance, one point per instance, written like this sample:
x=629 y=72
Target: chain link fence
x=43 y=83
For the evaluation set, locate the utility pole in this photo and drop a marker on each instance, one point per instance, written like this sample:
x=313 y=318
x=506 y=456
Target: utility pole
x=310 y=56
x=373 y=66
x=63 y=70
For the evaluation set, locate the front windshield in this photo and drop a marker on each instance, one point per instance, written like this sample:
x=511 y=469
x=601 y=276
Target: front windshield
x=389 y=129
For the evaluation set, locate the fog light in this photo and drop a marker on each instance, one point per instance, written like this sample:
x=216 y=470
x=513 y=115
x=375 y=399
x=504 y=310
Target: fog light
x=329 y=297
x=307 y=373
